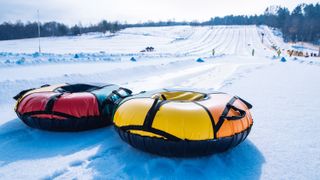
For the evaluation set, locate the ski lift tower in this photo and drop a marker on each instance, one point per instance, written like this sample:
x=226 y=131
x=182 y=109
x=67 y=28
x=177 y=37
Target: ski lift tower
x=39 y=31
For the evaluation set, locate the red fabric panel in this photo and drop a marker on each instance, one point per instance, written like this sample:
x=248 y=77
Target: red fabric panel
x=77 y=104
x=34 y=102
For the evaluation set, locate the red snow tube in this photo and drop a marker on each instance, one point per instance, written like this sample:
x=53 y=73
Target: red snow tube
x=69 y=107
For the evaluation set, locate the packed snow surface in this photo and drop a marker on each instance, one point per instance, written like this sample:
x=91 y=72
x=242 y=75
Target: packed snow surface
x=283 y=144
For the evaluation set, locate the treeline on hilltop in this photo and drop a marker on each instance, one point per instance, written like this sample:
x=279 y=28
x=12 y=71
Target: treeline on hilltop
x=21 y=30
x=302 y=24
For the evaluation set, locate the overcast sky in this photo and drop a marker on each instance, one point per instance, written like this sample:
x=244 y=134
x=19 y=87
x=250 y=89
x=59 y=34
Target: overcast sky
x=132 y=11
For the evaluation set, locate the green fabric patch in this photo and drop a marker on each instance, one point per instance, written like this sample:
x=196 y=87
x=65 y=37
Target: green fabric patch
x=108 y=99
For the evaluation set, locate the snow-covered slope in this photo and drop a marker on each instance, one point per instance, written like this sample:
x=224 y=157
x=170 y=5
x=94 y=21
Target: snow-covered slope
x=283 y=143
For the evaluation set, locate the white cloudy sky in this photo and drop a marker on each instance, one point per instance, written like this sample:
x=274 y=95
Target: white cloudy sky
x=131 y=11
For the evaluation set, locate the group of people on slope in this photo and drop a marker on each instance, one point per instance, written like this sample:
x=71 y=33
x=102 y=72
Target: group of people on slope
x=301 y=54
x=290 y=53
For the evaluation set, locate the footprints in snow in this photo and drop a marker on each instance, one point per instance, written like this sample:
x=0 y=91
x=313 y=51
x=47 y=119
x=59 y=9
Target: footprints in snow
x=108 y=152
x=76 y=163
x=84 y=164
x=56 y=174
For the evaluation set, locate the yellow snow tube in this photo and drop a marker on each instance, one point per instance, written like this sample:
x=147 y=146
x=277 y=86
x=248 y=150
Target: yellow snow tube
x=183 y=123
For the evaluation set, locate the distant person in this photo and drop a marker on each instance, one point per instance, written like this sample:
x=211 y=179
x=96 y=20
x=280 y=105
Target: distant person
x=279 y=52
x=252 y=52
x=213 y=51
x=307 y=54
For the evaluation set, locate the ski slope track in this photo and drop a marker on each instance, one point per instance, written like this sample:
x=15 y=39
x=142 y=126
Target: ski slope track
x=283 y=143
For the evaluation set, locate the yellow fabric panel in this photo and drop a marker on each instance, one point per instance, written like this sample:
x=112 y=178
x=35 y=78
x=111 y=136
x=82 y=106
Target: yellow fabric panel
x=144 y=133
x=181 y=96
x=132 y=112
x=44 y=89
x=16 y=105
x=184 y=120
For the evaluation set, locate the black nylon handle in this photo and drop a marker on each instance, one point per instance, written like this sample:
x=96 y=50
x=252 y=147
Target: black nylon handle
x=128 y=91
x=75 y=88
x=20 y=94
x=241 y=112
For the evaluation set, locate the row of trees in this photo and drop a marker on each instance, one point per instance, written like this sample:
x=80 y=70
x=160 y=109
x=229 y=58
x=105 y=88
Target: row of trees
x=302 y=24
x=20 y=30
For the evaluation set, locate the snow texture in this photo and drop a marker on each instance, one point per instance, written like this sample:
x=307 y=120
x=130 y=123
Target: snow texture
x=283 y=143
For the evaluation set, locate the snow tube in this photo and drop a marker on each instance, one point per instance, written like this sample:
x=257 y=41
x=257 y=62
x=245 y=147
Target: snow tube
x=183 y=123
x=69 y=107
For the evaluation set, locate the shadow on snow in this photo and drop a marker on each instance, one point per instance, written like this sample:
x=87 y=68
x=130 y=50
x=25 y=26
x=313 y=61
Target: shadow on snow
x=116 y=159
